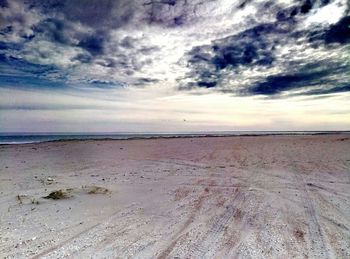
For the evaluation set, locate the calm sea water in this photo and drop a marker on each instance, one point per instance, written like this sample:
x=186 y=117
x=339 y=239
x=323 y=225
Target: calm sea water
x=23 y=138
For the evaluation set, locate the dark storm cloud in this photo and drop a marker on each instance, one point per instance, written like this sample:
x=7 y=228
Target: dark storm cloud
x=9 y=46
x=310 y=76
x=243 y=4
x=213 y=66
x=207 y=84
x=336 y=33
x=30 y=81
x=340 y=32
x=11 y=64
x=105 y=84
x=147 y=80
x=93 y=44
x=102 y=15
x=53 y=30
x=3 y=3
x=82 y=58
x=252 y=47
x=62 y=32
x=20 y=73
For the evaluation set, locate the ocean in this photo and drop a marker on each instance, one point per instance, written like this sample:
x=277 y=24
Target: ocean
x=26 y=138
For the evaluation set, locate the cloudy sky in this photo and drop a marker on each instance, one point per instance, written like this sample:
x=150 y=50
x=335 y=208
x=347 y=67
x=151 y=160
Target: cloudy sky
x=174 y=65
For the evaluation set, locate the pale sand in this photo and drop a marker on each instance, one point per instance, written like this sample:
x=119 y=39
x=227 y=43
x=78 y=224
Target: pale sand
x=228 y=197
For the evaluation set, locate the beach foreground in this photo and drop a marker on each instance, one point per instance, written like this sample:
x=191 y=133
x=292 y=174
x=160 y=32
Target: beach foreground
x=223 y=197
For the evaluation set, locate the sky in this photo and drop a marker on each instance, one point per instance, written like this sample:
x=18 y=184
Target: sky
x=174 y=65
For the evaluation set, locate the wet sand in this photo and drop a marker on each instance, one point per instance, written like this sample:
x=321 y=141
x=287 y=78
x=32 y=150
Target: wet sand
x=223 y=197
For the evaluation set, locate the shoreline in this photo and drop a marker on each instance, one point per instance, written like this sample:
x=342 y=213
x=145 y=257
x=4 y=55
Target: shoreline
x=175 y=136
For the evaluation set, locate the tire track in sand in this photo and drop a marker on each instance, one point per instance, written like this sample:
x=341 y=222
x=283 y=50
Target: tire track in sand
x=84 y=236
x=217 y=230
x=179 y=235
x=318 y=244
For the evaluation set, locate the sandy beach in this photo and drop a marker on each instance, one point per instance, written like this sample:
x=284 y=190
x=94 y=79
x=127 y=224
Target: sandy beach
x=212 y=197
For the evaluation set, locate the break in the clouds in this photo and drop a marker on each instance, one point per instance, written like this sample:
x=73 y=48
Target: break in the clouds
x=242 y=49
